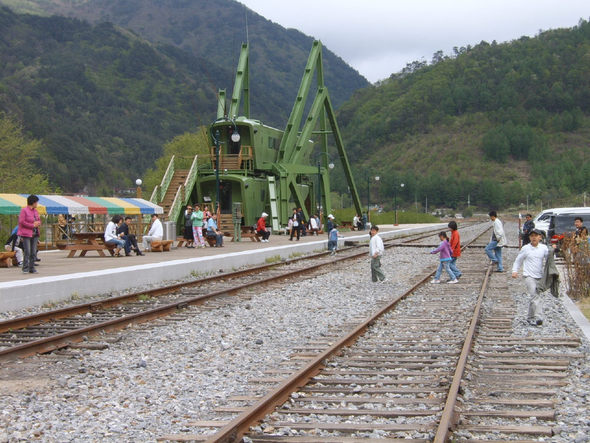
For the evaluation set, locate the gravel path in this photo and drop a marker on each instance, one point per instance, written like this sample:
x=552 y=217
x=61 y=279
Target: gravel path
x=159 y=380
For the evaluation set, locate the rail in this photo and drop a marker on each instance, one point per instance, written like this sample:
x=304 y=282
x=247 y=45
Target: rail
x=244 y=160
x=62 y=340
x=238 y=427
x=166 y=179
x=191 y=179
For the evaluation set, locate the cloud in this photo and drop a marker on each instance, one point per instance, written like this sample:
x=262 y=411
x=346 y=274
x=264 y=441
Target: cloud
x=379 y=37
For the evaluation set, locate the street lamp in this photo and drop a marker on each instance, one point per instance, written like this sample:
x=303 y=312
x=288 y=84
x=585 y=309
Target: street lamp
x=331 y=166
x=369 y=195
x=217 y=170
x=138 y=182
x=395 y=201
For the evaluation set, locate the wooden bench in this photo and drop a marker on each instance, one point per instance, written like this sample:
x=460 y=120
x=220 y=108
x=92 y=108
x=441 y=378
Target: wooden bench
x=6 y=259
x=248 y=232
x=161 y=245
x=86 y=241
x=181 y=241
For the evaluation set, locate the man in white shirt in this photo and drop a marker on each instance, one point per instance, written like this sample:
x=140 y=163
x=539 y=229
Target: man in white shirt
x=531 y=257
x=497 y=242
x=156 y=233
x=375 y=252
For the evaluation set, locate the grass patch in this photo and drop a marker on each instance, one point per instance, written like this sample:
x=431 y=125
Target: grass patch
x=295 y=254
x=144 y=297
x=273 y=259
x=584 y=306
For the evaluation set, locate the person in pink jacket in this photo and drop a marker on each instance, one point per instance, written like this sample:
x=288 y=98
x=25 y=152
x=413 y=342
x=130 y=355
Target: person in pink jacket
x=28 y=230
x=445 y=258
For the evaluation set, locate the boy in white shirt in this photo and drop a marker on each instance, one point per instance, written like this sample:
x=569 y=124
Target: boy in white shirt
x=532 y=257
x=376 y=251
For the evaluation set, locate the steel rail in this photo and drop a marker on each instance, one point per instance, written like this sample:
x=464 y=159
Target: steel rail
x=448 y=417
x=48 y=344
x=36 y=319
x=65 y=339
x=238 y=427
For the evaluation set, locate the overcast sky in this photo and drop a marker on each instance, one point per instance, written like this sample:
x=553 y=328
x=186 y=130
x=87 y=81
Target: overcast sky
x=379 y=37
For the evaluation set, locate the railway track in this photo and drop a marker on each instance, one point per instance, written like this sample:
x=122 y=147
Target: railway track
x=451 y=369
x=60 y=328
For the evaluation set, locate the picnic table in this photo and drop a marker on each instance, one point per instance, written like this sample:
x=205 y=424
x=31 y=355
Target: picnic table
x=87 y=241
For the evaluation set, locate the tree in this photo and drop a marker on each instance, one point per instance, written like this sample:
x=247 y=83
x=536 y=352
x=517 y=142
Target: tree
x=18 y=173
x=184 y=147
x=496 y=145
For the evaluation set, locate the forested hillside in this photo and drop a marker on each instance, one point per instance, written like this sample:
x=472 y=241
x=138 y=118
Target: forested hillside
x=495 y=122
x=102 y=101
x=213 y=30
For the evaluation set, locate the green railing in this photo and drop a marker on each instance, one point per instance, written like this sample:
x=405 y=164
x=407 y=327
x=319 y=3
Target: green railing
x=166 y=180
x=177 y=204
x=191 y=179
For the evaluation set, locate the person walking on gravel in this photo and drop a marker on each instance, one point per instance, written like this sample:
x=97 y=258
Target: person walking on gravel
x=455 y=248
x=531 y=257
x=375 y=252
x=497 y=242
x=445 y=259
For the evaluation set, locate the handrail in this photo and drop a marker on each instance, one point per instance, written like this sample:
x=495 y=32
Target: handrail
x=166 y=179
x=191 y=178
x=237 y=160
x=176 y=204
x=155 y=193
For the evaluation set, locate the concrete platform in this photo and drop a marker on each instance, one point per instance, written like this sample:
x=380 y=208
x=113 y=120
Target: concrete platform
x=61 y=278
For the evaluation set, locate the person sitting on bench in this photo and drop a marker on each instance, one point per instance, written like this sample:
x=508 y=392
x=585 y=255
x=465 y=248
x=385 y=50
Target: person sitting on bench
x=111 y=238
x=212 y=231
x=155 y=234
x=314 y=225
x=15 y=244
x=130 y=239
x=261 y=228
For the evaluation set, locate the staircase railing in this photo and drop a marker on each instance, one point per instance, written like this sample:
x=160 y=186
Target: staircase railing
x=190 y=180
x=176 y=206
x=166 y=180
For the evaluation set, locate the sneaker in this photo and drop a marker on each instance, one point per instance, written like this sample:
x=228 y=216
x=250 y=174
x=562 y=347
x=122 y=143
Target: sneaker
x=20 y=263
x=500 y=270
x=384 y=280
x=453 y=281
x=33 y=271
x=539 y=322
x=435 y=281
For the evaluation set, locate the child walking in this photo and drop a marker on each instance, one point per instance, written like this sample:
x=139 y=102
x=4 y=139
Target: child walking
x=445 y=259
x=455 y=248
x=333 y=241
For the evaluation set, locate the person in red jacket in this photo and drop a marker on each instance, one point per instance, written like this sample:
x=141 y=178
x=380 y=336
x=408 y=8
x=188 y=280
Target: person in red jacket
x=455 y=248
x=261 y=228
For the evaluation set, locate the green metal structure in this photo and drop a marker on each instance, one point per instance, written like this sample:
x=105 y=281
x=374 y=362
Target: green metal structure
x=267 y=169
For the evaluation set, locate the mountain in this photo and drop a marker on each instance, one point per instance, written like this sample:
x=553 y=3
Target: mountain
x=495 y=123
x=213 y=30
x=103 y=100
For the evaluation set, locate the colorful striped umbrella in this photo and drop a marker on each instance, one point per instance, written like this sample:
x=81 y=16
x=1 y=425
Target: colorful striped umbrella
x=76 y=205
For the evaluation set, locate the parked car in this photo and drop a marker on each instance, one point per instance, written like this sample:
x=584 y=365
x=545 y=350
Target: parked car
x=543 y=218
